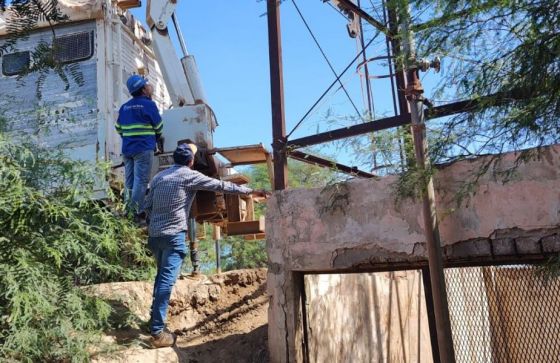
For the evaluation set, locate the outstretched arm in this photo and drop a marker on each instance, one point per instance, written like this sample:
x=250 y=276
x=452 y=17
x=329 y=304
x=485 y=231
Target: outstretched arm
x=203 y=182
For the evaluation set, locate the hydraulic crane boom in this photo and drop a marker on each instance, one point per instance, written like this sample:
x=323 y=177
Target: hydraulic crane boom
x=191 y=117
x=181 y=76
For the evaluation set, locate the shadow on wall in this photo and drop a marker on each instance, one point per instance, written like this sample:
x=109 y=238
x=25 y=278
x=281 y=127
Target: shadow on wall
x=368 y=317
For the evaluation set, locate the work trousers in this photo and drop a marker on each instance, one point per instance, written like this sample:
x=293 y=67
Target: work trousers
x=137 y=170
x=169 y=252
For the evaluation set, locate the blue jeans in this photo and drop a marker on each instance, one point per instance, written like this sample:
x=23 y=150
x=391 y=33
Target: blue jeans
x=137 y=170
x=169 y=252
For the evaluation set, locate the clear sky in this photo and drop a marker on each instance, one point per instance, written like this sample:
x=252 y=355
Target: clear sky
x=229 y=40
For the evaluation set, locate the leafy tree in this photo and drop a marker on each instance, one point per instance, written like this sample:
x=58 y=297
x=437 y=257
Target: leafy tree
x=505 y=55
x=53 y=238
x=506 y=48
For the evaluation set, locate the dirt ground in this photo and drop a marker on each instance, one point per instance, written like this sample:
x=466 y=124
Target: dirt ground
x=235 y=325
x=219 y=318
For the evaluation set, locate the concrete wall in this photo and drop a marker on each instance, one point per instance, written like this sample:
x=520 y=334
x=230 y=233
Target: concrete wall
x=357 y=226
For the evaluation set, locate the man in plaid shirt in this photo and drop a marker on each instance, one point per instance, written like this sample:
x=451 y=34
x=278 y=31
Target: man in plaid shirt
x=167 y=206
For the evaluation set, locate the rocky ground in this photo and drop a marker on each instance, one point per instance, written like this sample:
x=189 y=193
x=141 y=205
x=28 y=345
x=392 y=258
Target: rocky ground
x=220 y=318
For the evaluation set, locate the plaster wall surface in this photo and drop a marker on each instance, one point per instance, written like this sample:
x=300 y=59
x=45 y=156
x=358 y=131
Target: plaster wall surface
x=358 y=226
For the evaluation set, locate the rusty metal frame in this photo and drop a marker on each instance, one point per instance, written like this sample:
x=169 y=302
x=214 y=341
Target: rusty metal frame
x=315 y=160
x=350 y=6
x=409 y=95
x=277 y=96
x=283 y=148
x=345 y=132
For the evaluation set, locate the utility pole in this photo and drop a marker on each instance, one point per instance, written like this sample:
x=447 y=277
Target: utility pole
x=279 y=138
x=414 y=96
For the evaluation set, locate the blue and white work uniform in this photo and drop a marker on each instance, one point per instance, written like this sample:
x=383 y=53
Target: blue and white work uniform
x=140 y=126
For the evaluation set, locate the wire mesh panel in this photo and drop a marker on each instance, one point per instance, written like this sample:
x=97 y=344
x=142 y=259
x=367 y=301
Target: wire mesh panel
x=73 y=47
x=504 y=314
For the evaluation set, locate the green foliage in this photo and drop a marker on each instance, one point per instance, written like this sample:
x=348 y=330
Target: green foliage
x=505 y=47
x=505 y=50
x=300 y=175
x=53 y=238
x=244 y=254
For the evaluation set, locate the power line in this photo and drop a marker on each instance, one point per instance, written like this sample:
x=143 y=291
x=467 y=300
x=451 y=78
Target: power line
x=331 y=86
x=325 y=56
x=390 y=61
x=366 y=71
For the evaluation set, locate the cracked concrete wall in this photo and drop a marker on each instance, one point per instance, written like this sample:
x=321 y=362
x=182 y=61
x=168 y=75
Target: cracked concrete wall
x=357 y=225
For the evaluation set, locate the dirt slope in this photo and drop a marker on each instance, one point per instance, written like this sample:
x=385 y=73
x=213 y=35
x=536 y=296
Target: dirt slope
x=221 y=318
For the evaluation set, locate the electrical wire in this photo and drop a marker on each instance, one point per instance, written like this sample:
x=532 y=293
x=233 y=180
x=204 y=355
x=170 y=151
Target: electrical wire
x=331 y=86
x=370 y=104
x=325 y=56
x=390 y=61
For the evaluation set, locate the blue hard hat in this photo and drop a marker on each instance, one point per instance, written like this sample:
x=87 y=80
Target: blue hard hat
x=135 y=83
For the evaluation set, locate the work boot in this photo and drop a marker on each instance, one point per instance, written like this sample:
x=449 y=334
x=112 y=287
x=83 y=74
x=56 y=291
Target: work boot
x=163 y=339
x=140 y=220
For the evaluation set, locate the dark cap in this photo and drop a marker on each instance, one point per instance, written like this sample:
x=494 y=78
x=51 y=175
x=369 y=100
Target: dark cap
x=183 y=154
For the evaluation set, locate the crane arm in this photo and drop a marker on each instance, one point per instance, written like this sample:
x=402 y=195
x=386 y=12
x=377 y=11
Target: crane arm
x=181 y=76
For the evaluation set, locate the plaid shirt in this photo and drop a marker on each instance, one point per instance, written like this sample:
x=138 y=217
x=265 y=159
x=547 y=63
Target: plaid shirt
x=172 y=193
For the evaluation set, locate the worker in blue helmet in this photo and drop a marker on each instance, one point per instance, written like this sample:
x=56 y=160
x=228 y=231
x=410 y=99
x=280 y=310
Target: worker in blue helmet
x=140 y=126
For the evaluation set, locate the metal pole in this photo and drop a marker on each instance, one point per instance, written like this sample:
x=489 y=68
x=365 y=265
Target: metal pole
x=366 y=69
x=193 y=245
x=414 y=96
x=398 y=78
x=217 y=237
x=179 y=35
x=430 y=312
x=277 y=96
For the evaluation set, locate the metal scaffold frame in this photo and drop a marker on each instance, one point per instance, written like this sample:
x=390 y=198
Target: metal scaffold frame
x=410 y=100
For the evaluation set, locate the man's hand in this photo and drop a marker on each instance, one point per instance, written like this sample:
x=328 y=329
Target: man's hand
x=261 y=194
x=159 y=145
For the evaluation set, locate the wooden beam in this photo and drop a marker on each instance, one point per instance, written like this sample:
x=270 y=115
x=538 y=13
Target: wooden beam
x=243 y=228
x=253 y=237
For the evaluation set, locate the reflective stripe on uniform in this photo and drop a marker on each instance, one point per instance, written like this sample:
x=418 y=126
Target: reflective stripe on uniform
x=138 y=133
x=136 y=126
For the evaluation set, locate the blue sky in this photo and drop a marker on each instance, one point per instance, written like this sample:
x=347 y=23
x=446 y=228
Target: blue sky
x=229 y=40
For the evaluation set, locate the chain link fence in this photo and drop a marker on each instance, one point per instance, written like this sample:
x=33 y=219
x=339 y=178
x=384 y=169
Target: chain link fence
x=504 y=314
